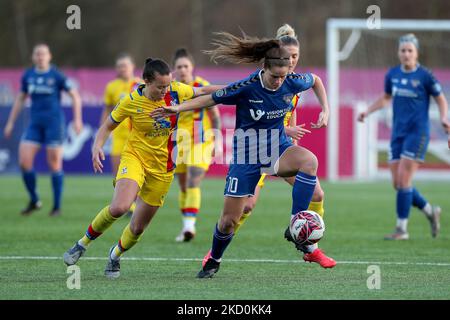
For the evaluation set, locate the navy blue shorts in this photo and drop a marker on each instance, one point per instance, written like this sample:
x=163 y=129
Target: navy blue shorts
x=412 y=146
x=51 y=134
x=242 y=179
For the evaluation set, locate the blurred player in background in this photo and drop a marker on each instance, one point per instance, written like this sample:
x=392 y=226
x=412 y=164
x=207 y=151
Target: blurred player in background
x=262 y=100
x=125 y=83
x=146 y=167
x=286 y=35
x=195 y=143
x=43 y=83
x=409 y=86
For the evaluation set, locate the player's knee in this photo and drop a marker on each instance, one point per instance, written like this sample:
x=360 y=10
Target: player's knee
x=228 y=224
x=309 y=165
x=118 y=209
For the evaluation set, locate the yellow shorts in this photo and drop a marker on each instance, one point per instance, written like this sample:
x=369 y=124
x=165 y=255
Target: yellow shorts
x=261 y=180
x=119 y=138
x=154 y=186
x=199 y=155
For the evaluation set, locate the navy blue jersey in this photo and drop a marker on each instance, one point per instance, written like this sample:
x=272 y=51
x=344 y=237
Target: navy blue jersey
x=411 y=92
x=261 y=111
x=44 y=89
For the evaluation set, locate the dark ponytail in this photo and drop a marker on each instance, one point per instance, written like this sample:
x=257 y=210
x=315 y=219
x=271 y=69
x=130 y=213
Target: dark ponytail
x=153 y=66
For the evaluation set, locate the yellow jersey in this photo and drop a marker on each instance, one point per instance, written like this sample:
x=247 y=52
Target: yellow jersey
x=114 y=91
x=151 y=140
x=195 y=122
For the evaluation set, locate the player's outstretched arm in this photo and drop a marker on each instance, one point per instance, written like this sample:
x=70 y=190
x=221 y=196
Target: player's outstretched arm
x=201 y=91
x=100 y=138
x=380 y=103
x=321 y=94
x=194 y=104
x=76 y=107
x=17 y=107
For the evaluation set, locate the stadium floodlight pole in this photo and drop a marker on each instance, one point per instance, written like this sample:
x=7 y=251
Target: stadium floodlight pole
x=334 y=56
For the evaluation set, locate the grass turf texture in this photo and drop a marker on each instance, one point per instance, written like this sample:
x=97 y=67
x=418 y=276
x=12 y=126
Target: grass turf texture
x=357 y=216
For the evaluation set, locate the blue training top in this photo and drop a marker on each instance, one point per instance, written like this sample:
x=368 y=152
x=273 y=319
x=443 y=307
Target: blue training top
x=260 y=108
x=44 y=88
x=411 y=92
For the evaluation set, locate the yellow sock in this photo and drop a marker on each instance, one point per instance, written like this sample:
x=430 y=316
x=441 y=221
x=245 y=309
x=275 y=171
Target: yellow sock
x=317 y=207
x=102 y=221
x=241 y=221
x=181 y=200
x=193 y=199
x=126 y=242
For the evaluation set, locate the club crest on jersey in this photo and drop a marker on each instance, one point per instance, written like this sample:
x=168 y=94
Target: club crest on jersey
x=258 y=115
x=288 y=98
x=221 y=93
x=50 y=81
x=124 y=170
x=415 y=83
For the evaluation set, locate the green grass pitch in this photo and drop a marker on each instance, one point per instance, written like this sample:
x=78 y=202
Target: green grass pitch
x=259 y=263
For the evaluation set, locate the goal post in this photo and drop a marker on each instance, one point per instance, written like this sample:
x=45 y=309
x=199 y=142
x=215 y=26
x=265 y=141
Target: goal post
x=338 y=50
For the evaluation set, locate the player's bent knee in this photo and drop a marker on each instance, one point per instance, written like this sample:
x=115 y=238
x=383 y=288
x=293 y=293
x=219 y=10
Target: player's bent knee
x=228 y=224
x=117 y=210
x=309 y=165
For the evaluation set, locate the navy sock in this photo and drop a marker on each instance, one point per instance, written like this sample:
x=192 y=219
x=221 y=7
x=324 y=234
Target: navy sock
x=302 y=192
x=57 y=186
x=418 y=200
x=29 y=179
x=220 y=243
x=404 y=202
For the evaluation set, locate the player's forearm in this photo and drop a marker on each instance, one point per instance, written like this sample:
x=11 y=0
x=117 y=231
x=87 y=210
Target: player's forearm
x=321 y=94
x=197 y=103
x=380 y=103
x=17 y=107
x=76 y=105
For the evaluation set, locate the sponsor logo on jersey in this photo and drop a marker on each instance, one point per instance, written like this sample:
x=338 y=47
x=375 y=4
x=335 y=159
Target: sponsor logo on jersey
x=258 y=115
x=255 y=101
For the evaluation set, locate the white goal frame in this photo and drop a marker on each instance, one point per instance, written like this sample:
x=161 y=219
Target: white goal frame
x=365 y=163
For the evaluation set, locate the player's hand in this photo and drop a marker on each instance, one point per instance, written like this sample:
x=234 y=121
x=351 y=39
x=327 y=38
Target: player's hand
x=7 y=132
x=362 y=116
x=97 y=157
x=163 y=112
x=297 y=132
x=322 y=121
x=77 y=127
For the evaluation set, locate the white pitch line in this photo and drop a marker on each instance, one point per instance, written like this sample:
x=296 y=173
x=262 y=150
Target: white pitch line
x=438 y=264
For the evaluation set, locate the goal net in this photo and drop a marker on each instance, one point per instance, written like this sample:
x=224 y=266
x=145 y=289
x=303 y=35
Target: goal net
x=357 y=61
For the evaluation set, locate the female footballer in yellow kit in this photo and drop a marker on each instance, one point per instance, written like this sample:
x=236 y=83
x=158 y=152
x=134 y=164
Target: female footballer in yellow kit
x=115 y=90
x=146 y=167
x=195 y=142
